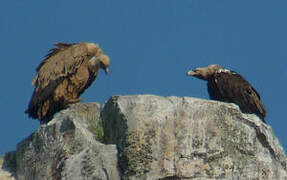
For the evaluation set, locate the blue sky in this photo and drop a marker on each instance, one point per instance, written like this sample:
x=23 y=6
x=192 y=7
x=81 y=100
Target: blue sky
x=151 y=44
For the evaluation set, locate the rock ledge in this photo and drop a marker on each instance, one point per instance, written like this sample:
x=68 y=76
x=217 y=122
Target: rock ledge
x=149 y=137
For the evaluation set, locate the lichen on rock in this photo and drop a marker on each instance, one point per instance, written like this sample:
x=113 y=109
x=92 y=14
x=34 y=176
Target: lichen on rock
x=67 y=148
x=149 y=137
x=136 y=158
x=190 y=138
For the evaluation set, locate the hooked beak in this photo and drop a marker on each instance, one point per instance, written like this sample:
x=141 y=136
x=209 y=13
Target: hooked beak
x=192 y=72
x=107 y=70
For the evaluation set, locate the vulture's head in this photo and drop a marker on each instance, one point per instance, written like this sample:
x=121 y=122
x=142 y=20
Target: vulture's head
x=204 y=73
x=104 y=62
x=99 y=59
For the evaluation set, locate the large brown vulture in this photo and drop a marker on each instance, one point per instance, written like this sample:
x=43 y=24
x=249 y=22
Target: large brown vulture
x=63 y=75
x=228 y=86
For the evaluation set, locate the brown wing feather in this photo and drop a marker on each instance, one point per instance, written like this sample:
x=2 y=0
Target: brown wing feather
x=51 y=79
x=61 y=64
x=58 y=47
x=234 y=88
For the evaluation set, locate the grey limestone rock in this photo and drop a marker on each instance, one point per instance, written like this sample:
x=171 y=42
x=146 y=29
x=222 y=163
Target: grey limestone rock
x=157 y=138
x=68 y=147
x=190 y=138
x=8 y=166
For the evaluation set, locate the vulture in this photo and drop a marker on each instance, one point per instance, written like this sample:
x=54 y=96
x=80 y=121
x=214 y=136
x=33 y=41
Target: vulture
x=228 y=86
x=64 y=74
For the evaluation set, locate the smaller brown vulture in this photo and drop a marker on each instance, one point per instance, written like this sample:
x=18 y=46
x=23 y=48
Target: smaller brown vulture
x=63 y=75
x=228 y=86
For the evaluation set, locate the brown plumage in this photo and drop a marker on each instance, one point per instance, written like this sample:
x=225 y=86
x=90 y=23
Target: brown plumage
x=63 y=75
x=228 y=86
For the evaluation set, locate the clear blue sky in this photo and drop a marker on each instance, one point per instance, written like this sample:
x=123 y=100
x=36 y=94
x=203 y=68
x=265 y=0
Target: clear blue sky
x=151 y=43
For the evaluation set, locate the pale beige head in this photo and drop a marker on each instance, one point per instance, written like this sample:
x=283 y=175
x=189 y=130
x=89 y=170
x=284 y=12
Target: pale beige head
x=204 y=73
x=104 y=62
x=98 y=57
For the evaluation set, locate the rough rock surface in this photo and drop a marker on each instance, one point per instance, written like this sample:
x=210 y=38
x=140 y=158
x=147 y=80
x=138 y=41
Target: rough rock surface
x=189 y=138
x=157 y=139
x=68 y=148
x=7 y=166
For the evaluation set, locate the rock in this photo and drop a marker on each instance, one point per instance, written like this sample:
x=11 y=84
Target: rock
x=189 y=138
x=68 y=147
x=157 y=138
x=8 y=166
x=4 y=175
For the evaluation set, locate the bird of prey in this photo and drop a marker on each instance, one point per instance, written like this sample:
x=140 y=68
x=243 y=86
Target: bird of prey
x=228 y=86
x=64 y=74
